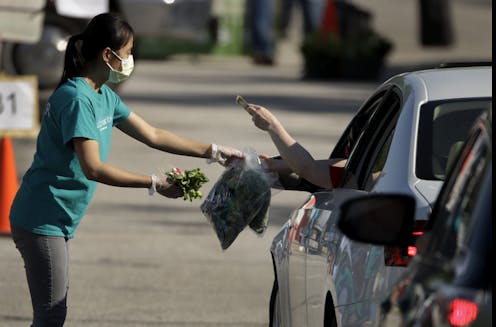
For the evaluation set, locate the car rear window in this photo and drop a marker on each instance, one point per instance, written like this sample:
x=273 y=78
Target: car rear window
x=443 y=126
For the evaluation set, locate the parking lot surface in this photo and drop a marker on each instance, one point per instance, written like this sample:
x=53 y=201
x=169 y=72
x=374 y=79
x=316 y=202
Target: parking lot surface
x=151 y=261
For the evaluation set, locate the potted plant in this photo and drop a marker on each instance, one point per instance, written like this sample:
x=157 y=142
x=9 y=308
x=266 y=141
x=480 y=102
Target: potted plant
x=331 y=56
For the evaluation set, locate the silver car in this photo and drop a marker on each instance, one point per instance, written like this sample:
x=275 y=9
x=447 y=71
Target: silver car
x=403 y=139
x=449 y=283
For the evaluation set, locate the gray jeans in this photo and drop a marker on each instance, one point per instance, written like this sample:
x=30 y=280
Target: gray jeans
x=46 y=260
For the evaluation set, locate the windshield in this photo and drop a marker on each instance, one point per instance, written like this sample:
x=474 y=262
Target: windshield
x=443 y=127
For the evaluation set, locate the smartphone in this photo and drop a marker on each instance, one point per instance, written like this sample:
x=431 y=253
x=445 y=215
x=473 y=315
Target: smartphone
x=241 y=101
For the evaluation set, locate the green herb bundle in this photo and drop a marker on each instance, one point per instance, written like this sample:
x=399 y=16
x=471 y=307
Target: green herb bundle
x=190 y=182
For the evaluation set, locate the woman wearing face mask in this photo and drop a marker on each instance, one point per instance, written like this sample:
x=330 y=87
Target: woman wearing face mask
x=71 y=157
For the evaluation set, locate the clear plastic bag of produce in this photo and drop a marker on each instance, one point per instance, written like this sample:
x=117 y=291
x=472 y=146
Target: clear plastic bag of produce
x=240 y=197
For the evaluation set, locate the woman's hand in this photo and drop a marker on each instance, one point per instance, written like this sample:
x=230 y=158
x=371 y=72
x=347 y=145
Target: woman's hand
x=275 y=165
x=168 y=189
x=262 y=117
x=224 y=154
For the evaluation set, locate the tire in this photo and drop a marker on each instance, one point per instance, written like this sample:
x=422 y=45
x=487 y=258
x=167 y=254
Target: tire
x=275 y=307
x=45 y=59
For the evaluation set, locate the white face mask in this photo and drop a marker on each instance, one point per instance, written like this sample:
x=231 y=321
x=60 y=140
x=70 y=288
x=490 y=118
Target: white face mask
x=116 y=76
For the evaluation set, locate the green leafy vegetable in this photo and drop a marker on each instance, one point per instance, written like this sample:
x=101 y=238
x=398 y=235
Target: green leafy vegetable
x=240 y=197
x=190 y=182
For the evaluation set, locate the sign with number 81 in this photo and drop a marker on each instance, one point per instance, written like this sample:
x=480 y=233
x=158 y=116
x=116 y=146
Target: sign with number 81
x=18 y=105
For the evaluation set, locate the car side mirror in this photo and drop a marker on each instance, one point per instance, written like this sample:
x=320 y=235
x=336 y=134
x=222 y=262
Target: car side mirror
x=381 y=219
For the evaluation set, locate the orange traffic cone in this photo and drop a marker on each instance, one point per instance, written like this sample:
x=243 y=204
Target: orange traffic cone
x=8 y=182
x=330 y=20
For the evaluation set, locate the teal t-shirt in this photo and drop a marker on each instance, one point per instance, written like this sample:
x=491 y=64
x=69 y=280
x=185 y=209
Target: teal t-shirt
x=54 y=194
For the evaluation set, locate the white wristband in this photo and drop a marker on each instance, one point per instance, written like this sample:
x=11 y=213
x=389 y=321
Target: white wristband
x=215 y=149
x=213 y=156
x=153 y=187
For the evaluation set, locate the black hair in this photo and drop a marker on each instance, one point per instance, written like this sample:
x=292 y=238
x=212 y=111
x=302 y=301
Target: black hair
x=104 y=30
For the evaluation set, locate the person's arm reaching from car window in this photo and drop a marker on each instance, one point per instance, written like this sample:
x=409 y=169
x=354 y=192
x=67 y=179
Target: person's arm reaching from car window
x=297 y=158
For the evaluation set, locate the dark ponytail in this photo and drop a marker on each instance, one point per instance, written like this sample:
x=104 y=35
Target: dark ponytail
x=73 y=62
x=104 y=30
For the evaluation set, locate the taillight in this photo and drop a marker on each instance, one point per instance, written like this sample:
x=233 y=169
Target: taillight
x=462 y=312
x=411 y=251
x=397 y=256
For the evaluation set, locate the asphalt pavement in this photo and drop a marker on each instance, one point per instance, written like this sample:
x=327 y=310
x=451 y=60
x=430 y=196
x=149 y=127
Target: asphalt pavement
x=138 y=260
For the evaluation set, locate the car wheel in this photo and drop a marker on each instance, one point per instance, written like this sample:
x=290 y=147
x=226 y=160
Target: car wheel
x=275 y=307
x=44 y=58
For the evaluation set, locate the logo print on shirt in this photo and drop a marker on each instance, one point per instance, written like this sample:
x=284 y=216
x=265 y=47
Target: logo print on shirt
x=104 y=123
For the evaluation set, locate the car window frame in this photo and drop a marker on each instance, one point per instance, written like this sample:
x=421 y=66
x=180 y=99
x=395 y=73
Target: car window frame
x=358 y=122
x=380 y=155
x=424 y=146
x=382 y=113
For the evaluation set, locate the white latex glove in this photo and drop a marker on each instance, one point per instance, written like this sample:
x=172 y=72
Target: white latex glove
x=163 y=186
x=223 y=154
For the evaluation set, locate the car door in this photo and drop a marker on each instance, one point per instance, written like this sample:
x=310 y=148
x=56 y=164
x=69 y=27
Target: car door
x=298 y=234
x=300 y=228
x=320 y=249
x=329 y=255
